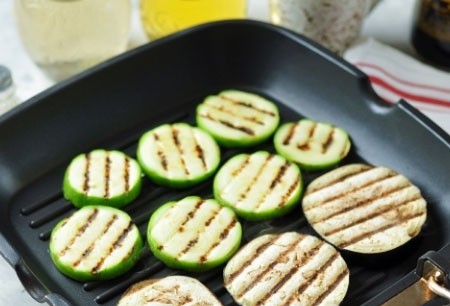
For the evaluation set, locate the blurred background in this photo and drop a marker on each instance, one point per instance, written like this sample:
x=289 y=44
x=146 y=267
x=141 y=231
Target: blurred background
x=370 y=34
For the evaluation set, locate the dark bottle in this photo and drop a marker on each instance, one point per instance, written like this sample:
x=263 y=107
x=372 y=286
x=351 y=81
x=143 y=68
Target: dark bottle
x=431 y=33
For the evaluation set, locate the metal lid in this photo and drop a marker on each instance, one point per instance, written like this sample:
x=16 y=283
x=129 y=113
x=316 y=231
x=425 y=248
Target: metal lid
x=5 y=78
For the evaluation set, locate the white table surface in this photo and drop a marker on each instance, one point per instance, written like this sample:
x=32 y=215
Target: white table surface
x=389 y=22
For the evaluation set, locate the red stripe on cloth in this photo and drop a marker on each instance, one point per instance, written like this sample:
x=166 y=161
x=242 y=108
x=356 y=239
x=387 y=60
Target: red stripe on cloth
x=388 y=74
x=407 y=95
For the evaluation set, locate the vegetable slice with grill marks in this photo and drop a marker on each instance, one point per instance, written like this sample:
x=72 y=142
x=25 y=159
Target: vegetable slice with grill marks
x=170 y=290
x=313 y=145
x=178 y=155
x=258 y=186
x=102 y=177
x=95 y=243
x=364 y=209
x=193 y=234
x=237 y=118
x=287 y=269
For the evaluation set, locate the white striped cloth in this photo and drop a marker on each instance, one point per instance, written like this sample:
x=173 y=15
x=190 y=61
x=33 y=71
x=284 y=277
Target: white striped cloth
x=394 y=75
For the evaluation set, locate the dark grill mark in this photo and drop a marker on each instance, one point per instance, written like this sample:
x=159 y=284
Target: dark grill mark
x=210 y=220
x=385 y=227
x=223 y=109
x=89 y=248
x=80 y=231
x=249 y=105
x=306 y=145
x=199 y=151
x=281 y=257
x=330 y=288
x=190 y=244
x=379 y=212
x=302 y=261
x=243 y=129
x=328 y=142
x=116 y=245
x=176 y=140
x=258 y=252
x=162 y=157
x=223 y=235
x=107 y=174
x=311 y=278
x=290 y=134
x=289 y=192
x=280 y=174
x=241 y=168
x=126 y=172
x=360 y=202
x=342 y=178
x=171 y=296
x=347 y=192
x=252 y=182
x=190 y=215
x=86 y=174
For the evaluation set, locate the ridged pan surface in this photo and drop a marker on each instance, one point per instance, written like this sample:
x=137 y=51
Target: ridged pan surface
x=112 y=105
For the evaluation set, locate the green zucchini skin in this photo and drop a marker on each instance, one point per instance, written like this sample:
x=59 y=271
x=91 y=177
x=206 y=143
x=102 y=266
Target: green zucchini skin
x=210 y=156
x=297 y=141
x=80 y=198
x=236 y=129
x=175 y=261
x=259 y=182
x=118 y=268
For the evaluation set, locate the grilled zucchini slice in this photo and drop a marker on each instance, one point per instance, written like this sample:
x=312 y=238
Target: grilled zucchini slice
x=364 y=209
x=313 y=145
x=170 y=290
x=287 y=269
x=102 y=177
x=193 y=234
x=238 y=119
x=258 y=186
x=178 y=155
x=95 y=243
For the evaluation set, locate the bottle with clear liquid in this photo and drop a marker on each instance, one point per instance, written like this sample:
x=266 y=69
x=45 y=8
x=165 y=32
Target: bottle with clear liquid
x=163 y=17
x=64 y=37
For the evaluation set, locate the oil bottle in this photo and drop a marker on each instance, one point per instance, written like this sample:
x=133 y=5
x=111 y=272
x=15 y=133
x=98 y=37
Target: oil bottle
x=431 y=33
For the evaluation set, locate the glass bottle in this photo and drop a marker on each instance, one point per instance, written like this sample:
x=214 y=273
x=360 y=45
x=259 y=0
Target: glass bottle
x=162 y=17
x=8 y=98
x=431 y=33
x=64 y=37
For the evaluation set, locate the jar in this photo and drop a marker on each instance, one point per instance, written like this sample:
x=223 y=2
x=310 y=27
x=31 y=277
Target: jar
x=163 y=17
x=64 y=37
x=8 y=98
x=334 y=24
x=431 y=32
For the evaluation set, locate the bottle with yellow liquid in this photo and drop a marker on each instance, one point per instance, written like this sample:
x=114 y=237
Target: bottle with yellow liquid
x=163 y=17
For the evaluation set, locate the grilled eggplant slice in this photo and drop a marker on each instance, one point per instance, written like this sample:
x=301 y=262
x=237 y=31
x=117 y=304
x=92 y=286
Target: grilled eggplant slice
x=178 y=155
x=95 y=243
x=194 y=234
x=258 y=186
x=238 y=119
x=170 y=290
x=102 y=177
x=287 y=269
x=313 y=145
x=364 y=209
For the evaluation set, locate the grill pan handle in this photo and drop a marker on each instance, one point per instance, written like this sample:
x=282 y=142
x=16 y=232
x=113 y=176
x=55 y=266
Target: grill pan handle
x=28 y=280
x=427 y=285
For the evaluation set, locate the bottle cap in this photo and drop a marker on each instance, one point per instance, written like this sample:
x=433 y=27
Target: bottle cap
x=5 y=78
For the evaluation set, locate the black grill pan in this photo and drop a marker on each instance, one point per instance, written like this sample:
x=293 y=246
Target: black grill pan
x=111 y=105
